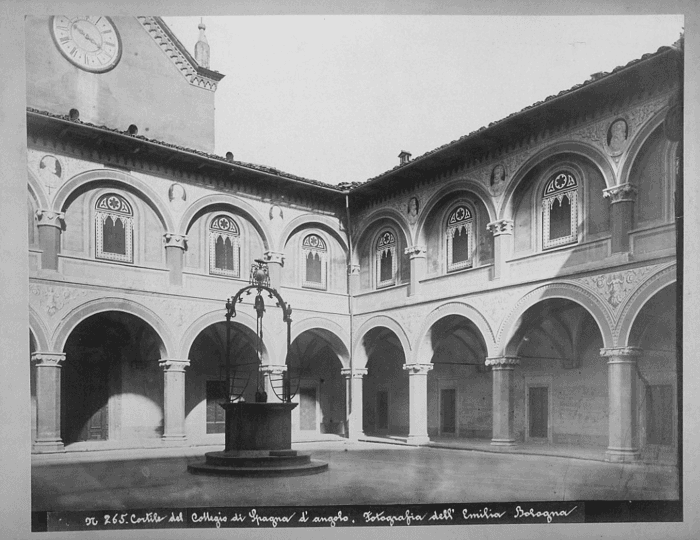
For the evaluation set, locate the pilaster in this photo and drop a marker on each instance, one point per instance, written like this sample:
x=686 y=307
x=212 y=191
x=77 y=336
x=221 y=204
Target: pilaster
x=175 y=246
x=417 y=258
x=50 y=224
x=48 y=401
x=622 y=199
x=174 y=399
x=502 y=375
x=354 y=379
x=502 y=231
x=418 y=402
x=623 y=443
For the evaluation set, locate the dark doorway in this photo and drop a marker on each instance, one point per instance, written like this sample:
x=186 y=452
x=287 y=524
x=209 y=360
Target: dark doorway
x=382 y=409
x=448 y=411
x=659 y=400
x=539 y=412
x=307 y=399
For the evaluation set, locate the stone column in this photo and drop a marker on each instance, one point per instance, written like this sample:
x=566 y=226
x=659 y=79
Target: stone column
x=48 y=401
x=174 y=399
x=353 y=400
x=418 y=402
x=268 y=370
x=502 y=373
x=354 y=282
x=621 y=208
x=275 y=263
x=622 y=403
x=50 y=225
x=502 y=231
x=175 y=246
x=417 y=256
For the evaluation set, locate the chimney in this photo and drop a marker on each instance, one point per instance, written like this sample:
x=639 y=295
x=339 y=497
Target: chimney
x=404 y=157
x=201 y=48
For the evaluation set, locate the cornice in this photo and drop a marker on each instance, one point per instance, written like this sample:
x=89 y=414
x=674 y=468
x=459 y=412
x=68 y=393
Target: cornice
x=193 y=73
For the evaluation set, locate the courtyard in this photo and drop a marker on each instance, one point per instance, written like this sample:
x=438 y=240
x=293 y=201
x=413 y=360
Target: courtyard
x=358 y=473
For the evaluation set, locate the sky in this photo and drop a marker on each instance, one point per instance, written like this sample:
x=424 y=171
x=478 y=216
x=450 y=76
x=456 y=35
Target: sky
x=335 y=98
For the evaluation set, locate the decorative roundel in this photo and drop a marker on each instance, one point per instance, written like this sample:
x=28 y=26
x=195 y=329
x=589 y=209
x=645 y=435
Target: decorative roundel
x=114 y=204
x=560 y=182
x=90 y=42
x=459 y=214
x=224 y=223
x=386 y=239
x=314 y=242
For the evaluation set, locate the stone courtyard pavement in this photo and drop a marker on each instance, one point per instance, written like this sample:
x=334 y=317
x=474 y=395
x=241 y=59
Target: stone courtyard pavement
x=358 y=473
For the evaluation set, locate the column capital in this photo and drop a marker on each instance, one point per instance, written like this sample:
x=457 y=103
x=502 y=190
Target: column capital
x=175 y=240
x=623 y=193
x=353 y=269
x=503 y=362
x=415 y=252
x=48 y=359
x=418 y=369
x=174 y=364
x=272 y=369
x=500 y=226
x=274 y=257
x=356 y=373
x=49 y=218
x=621 y=354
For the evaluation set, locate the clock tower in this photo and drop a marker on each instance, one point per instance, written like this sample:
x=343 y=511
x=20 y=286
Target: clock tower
x=122 y=71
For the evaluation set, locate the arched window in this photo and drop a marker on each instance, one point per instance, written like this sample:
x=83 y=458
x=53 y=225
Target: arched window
x=559 y=210
x=386 y=259
x=460 y=238
x=114 y=222
x=314 y=257
x=224 y=247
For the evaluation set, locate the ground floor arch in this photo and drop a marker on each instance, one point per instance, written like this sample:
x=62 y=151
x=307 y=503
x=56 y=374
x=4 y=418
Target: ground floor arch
x=317 y=383
x=385 y=387
x=458 y=385
x=111 y=381
x=655 y=401
x=205 y=387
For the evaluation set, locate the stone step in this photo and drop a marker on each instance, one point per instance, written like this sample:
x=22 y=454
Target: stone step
x=312 y=467
x=228 y=459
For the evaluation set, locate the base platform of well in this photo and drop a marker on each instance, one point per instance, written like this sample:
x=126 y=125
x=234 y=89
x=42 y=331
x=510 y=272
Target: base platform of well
x=258 y=463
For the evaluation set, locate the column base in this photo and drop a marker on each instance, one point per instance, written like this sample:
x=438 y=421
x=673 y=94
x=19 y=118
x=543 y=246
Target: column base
x=503 y=442
x=418 y=440
x=173 y=440
x=622 y=455
x=48 y=446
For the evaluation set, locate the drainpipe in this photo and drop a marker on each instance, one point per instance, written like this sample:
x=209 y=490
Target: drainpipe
x=348 y=397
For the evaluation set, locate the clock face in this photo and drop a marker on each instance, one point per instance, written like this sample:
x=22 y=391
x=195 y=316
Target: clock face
x=91 y=43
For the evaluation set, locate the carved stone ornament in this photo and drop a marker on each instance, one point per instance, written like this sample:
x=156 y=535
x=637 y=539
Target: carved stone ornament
x=412 y=210
x=616 y=286
x=418 y=369
x=272 y=369
x=353 y=269
x=503 y=361
x=497 y=180
x=54 y=299
x=274 y=257
x=50 y=172
x=173 y=364
x=356 y=373
x=415 y=251
x=176 y=57
x=617 y=137
x=49 y=218
x=502 y=226
x=622 y=193
x=621 y=352
x=175 y=240
x=48 y=359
